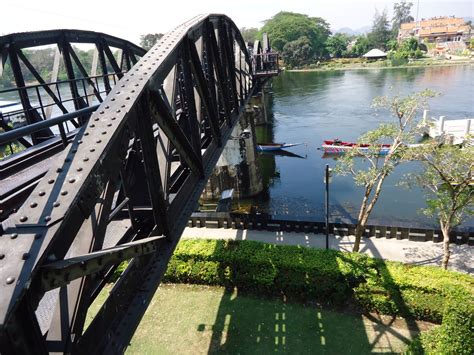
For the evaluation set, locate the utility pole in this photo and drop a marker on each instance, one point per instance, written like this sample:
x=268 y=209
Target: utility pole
x=326 y=180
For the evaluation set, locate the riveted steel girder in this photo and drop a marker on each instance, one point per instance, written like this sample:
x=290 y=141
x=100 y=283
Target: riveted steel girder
x=134 y=171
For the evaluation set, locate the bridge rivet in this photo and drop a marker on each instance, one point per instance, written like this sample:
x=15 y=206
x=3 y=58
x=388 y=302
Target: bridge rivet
x=85 y=159
x=79 y=141
x=123 y=106
x=118 y=111
x=72 y=180
x=23 y=219
x=132 y=91
x=33 y=204
x=96 y=119
x=92 y=150
x=14 y=235
x=64 y=192
x=113 y=118
x=2 y=256
x=127 y=98
x=86 y=133
x=92 y=125
x=58 y=170
x=117 y=92
x=50 y=181
x=10 y=280
x=41 y=193
x=79 y=169
x=137 y=84
x=104 y=132
x=98 y=141
x=47 y=218
x=123 y=85
x=25 y=256
x=56 y=204
x=112 y=99
x=101 y=112
x=109 y=124
x=106 y=107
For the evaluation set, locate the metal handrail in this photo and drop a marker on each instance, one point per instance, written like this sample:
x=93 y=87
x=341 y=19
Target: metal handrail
x=35 y=127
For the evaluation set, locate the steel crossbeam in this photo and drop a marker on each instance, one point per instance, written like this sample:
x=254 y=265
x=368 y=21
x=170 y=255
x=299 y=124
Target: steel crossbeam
x=134 y=172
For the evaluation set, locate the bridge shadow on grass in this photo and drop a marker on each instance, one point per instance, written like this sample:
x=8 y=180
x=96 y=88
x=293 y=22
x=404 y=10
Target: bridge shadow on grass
x=246 y=324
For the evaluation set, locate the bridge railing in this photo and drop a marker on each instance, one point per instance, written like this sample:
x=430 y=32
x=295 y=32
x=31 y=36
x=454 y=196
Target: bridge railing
x=90 y=90
x=266 y=64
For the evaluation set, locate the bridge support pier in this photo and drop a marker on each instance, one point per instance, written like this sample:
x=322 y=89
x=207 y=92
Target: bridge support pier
x=238 y=167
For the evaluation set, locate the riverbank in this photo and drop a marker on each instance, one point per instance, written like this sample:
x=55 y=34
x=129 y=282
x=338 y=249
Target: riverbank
x=337 y=66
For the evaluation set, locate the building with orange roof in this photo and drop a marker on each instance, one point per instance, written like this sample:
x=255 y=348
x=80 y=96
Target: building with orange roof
x=436 y=30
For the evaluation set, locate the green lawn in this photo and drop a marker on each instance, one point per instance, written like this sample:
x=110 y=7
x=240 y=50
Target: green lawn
x=191 y=319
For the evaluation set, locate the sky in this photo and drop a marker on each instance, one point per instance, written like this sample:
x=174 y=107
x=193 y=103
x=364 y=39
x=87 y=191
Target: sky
x=130 y=19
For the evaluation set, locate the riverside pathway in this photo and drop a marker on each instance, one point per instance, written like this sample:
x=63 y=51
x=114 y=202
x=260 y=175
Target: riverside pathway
x=419 y=253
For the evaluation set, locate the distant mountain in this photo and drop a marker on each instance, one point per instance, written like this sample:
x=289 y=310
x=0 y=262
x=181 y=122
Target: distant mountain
x=351 y=32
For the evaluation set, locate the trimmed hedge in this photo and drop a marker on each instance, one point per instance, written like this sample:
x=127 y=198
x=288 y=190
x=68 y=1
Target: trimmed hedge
x=454 y=336
x=326 y=276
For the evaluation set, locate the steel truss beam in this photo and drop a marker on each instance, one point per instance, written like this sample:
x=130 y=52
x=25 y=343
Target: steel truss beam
x=148 y=150
x=11 y=49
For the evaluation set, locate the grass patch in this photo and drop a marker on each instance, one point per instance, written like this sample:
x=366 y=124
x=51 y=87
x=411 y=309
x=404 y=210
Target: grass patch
x=196 y=319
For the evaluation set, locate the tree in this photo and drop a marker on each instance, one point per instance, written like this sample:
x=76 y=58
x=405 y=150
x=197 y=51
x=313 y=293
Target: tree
x=380 y=34
x=297 y=53
x=401 y=14
x=337 y=44
x=374 y=168
x=149 y=40
x=286 y=27
x=448 y=178
x=249 y=34
x=362 y=46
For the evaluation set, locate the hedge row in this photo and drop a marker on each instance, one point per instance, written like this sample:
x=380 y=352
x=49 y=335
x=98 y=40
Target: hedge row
x=326 y=276
x=454 y=336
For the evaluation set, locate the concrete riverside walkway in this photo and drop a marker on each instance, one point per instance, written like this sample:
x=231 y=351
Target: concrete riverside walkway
x=419 y=253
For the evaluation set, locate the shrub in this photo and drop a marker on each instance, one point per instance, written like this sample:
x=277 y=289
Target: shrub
x=454 y=336
x=325 y=276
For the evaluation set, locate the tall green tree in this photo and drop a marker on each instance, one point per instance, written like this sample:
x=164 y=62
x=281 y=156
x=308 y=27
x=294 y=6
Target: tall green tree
x=297 y=53
x=249 y=34
x=448 y=179
x=337 y=44
x=149 y=40
x=362 y=46
x=380 y=34
x=401 y=14
x=371 y=172
x=286 y=27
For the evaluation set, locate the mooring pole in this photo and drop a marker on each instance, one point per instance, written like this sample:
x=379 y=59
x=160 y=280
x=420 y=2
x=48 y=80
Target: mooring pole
x=327 y=206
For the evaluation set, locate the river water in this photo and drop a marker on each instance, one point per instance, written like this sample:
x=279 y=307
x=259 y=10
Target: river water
x=312 y=106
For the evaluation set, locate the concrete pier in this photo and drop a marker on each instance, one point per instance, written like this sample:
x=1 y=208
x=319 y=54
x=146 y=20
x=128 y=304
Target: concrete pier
x=238 y=167
x=455 y=131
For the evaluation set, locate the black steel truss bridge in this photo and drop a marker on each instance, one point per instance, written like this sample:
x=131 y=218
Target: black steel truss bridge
x=105 y=165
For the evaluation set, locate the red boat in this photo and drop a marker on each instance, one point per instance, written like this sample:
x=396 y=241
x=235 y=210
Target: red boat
x=351 y=144
x=337 y=146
